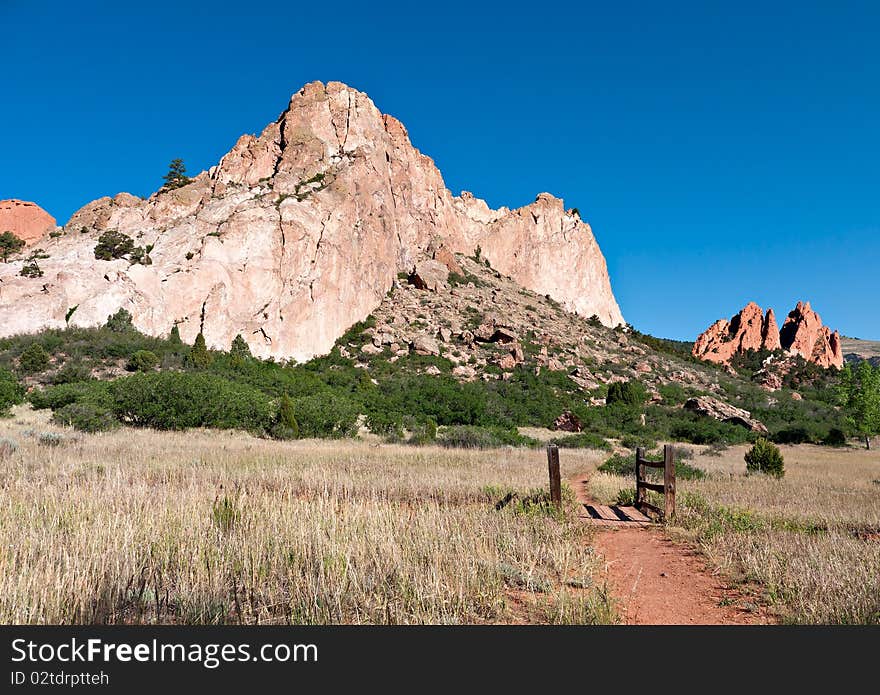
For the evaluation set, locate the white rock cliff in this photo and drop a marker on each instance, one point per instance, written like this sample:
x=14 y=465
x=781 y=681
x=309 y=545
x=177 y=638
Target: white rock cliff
x=294 y=236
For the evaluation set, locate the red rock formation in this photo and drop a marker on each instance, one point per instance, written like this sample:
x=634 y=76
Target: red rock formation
x=28 y=221
x=802 y=334
x=770 y=338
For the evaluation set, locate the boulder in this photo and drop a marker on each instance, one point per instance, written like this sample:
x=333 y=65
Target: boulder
x=429 y=275
x=567 y=422
x=425 y=345
x=26 y=220
x=719 y=410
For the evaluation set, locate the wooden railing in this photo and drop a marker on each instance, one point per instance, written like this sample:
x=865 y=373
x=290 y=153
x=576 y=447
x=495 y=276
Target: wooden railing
x=667 y=489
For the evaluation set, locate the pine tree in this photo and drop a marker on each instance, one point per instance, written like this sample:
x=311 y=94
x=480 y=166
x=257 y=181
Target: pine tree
x=174 y=336
x=199 y=357
x=239 y=350
x=9 y=244
x=176 y=176
x=286 y=426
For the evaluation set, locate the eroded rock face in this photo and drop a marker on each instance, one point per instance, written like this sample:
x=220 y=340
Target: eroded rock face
x=802 y=334
x=297 y=234
x=28 y=221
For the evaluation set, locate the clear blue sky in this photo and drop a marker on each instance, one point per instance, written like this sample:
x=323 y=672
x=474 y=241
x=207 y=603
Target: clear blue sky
x=723 y=152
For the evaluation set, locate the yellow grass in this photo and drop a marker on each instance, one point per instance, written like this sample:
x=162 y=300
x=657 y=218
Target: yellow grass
x=807 y=538
x=204 y=527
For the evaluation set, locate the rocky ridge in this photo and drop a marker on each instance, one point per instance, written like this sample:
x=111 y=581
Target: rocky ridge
x=294 y=236
x=802 y=334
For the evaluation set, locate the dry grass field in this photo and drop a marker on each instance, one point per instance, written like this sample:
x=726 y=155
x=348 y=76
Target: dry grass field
x=811 y=539
x=207 y=527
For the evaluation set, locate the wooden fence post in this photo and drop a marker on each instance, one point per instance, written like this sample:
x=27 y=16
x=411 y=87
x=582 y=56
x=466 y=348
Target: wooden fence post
x=669 y=480
x=555 y=477
x=640 y=491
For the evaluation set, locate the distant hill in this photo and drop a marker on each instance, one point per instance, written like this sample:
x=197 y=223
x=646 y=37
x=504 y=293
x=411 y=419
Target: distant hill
x=855 y=350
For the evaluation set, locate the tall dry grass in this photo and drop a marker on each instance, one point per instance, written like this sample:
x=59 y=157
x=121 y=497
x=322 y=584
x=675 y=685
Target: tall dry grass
x=208 y=527
x=811 y=539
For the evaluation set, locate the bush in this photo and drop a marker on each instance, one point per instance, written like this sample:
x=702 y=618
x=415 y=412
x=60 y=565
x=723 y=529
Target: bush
x=326 y=416
x=11 y=392
x=423 y=433
x=765 y=457
x=70 y=373
x=142 y=361
x=51 y=439
x=619 y=465
x=630 y=393
x=56 y=397
x=120 y=322
x=177 y=401
x=112 y=245
x=86 y=416
x=835 y=437
x=469 y=437
x=34 y=359
x=239 y=350
x=286 y=425
x=7 y=448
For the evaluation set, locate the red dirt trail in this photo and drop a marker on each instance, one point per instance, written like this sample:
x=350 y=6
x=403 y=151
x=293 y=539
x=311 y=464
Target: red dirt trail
x=658 y=582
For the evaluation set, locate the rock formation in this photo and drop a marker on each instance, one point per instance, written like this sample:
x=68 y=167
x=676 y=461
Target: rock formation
x=297 y=234
x=802 y=334
x=28 y=221
x=719 y=410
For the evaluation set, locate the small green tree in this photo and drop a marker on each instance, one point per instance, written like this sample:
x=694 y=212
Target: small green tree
x=198 y=356
x=860 y=398
x=629 y=393
x=9 y=245
x=286 y=426
x=765 y=457
x=11 y=392
x=31 y=269
x=120 y=322
x=240 y=352
x=176 y=176
x=174 y=336
x=34 y=359
x=112 y=245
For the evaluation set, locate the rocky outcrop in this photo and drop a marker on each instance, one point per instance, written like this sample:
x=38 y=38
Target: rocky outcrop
x=719 y=410
x=802 y=334
x=297 y=234
x=28 y=221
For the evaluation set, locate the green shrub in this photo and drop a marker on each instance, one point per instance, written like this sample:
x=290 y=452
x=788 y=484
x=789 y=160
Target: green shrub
x=113 y=244
x=70 y=373
x=423 y=433
x=120 y=322
x=765 y=457
x=56 y=397
x=469 y=437
x=179 y=400
x=619 y=465
x=7 y=448
x=239 y=350
x=34 y=359
x=629 y=393
x=142 y=361
x=174 y=336
x=835 y=437
x=10 y=244
x=326 y=416
x=286 y=425
x=86 y=416
x=11 y=392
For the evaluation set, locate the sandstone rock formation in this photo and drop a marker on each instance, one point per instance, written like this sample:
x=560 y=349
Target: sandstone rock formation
x=802 y=334
x=297 y=234
x=28 y=221
x=719 y=410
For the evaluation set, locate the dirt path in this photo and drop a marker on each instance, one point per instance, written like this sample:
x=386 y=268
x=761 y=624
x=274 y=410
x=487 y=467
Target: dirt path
x=658 y=582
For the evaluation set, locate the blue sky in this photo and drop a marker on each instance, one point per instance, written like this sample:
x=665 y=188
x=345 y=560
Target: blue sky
x=722 y=152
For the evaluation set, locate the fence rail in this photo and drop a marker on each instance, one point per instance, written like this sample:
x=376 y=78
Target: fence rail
x=667 y=489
